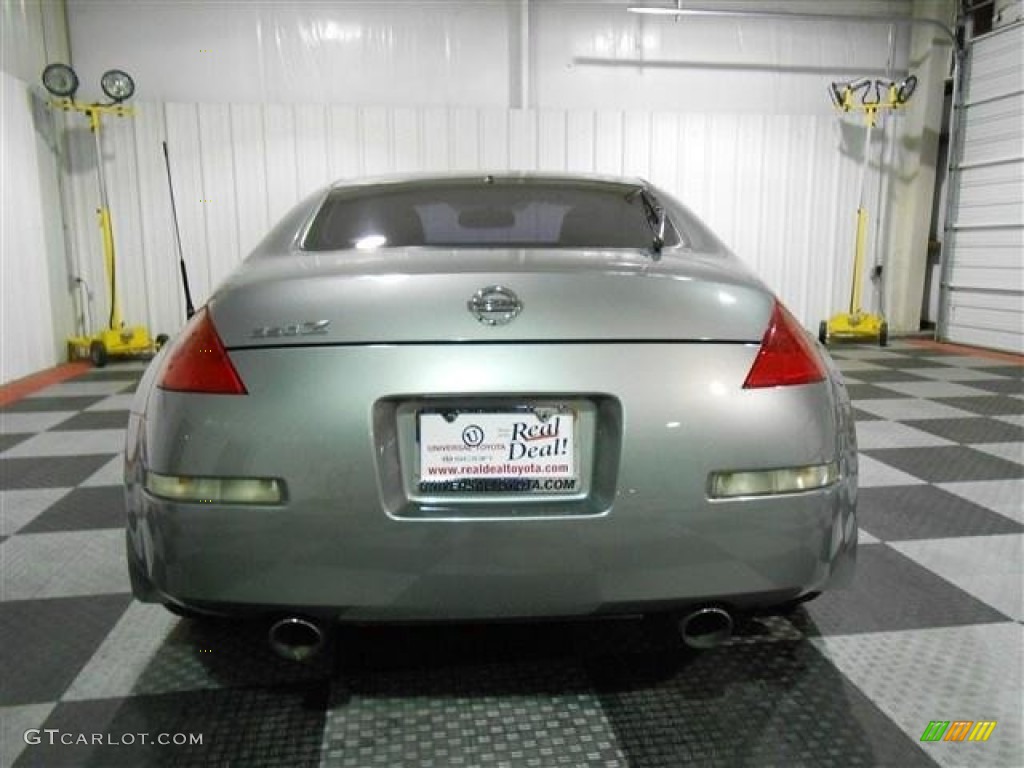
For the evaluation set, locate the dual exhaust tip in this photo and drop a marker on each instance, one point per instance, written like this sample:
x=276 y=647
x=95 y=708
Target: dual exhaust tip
x=706 y=627
x=296 y=638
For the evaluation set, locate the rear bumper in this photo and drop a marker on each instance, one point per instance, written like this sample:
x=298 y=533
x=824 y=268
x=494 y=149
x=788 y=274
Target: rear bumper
x=347 y=544
x=744 y=554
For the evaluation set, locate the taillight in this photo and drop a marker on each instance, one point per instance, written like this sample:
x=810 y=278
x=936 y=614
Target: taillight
x=198 y=362
x=786 y=357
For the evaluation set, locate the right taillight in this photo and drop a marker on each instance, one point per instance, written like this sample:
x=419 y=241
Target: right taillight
x=786 y=357
x=199 y=363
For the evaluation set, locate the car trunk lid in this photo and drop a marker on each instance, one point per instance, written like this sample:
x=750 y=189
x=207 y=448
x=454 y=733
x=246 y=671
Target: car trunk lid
x=408 y=296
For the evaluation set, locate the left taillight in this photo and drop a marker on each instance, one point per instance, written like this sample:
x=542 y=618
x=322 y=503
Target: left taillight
x=787 y=356
x=199 y=363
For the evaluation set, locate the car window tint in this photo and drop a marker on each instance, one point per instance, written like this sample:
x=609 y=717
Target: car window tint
x=519 y=214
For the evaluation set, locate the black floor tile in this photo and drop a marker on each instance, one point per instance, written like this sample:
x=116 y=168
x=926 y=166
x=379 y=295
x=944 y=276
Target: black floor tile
x=9 y=441
x=49 y=472
x=774 y=704
x=95 y=420
x=998 y=405
x=891 y=592
x=47 y=642
x=860 y=415
x=887 y=375
x=82 y=509
x=112 y=373
x=52 y=404
x=1010 y=371
x=948 y=463
x=929 y=352
x=257 y=727
x=871 y=392
x=972 y=430
x=235 y=653
x=1012 y=386
x=909 y=362
x=905 y=512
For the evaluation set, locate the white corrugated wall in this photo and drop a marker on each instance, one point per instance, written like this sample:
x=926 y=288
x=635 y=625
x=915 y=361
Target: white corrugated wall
x=263 y=103
x=776 y=188
x=33 y=271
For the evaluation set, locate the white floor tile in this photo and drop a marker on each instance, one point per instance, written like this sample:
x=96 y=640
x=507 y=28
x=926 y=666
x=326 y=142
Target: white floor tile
x=1003 y=496
x=988 y=567
x=111 y=473
x=863 y=537
x=23 y=423
x=19 y=508
x=1008 y=451
x=1016 y=419
x=115 y=668
x=850 y=366
x=862 y=353
x=906 y=409
x=83 y=388
x=969 y=361
x=69 y=443
x=954 y=373
x=874 y=474
x=890 y=434
x=113 y=403
x=932 y=389
x=41 y=565
x=14 y=722
x=955 y=673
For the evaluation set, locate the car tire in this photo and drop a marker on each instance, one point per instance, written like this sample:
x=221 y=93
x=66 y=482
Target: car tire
x=142 y=587
x=185 y=613
x=98 y=353
x=883 y=335
x=790 y=606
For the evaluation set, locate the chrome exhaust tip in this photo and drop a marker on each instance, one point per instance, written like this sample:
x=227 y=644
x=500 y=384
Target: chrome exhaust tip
x=296 y=639
x=706 y=627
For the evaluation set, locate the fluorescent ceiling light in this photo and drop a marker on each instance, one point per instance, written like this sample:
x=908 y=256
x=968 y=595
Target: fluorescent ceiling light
x=654 y=11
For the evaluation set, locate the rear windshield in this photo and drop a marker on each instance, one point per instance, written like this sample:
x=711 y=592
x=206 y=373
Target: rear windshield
x=487 y=214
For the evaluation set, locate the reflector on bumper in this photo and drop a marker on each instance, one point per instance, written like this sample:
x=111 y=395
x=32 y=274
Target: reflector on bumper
x=216 y=490
x=727 y=485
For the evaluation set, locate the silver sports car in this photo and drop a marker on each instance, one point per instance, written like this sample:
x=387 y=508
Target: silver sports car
x=489 y=397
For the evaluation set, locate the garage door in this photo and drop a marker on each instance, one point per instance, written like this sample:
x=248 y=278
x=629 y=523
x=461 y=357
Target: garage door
x=984 y=296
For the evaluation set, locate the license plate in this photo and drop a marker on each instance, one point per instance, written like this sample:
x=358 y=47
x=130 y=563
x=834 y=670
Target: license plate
x=522 y=451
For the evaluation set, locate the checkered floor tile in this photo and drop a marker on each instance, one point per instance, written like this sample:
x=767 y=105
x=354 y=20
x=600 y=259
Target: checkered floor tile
x=931 y=630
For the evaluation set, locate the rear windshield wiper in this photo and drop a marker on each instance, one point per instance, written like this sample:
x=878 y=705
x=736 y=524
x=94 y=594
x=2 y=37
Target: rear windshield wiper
x=656 y=217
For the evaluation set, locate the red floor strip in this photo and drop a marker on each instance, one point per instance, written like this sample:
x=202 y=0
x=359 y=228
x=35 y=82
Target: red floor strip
x=23 y=387
x=988 y=354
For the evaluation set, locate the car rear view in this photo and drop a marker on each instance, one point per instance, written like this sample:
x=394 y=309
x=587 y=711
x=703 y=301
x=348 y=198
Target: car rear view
x=489 y=398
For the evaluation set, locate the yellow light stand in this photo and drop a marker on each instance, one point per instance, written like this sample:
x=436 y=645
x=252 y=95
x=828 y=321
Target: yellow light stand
x=856 y=324
x=116 y=340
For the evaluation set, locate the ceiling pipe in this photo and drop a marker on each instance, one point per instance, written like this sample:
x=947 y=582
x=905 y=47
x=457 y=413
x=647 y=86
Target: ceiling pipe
x=793 y=16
